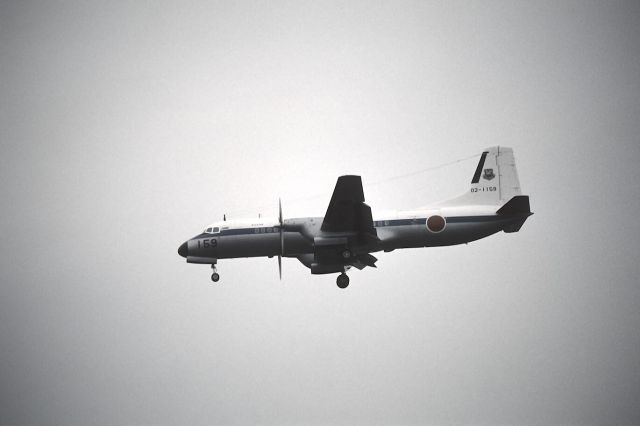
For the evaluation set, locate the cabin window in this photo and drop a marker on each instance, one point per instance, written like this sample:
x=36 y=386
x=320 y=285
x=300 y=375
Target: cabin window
x=256 y=230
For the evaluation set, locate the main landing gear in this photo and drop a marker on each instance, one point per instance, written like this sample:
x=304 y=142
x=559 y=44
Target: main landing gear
x=342 y=280
x=215 y=277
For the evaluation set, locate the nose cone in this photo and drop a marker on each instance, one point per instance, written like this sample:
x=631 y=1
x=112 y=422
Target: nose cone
x=183 y=250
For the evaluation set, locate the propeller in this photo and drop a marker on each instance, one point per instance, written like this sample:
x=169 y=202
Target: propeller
x=281 y=237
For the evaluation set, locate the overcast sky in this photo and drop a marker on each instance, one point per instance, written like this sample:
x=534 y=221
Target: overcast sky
x=126 y=127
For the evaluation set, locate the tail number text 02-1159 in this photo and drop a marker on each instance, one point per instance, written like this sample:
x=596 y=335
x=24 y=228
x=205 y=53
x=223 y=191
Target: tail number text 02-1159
x=484 y=189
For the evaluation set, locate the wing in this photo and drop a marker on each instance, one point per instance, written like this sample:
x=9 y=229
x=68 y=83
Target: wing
x=347 y=211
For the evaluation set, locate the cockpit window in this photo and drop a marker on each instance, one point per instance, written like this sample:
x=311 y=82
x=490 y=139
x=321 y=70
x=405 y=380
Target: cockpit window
x=208 y=230
x=215 y=230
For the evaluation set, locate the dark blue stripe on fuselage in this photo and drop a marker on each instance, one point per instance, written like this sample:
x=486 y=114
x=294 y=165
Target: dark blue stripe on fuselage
x=240 y=231
x=252 y=231
x=399 y=222
x=376 y=224
x=423 y=221
x=466 y=219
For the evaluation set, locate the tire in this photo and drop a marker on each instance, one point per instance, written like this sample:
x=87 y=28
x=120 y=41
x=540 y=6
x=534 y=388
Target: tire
x=342 y=280
x=215 y=277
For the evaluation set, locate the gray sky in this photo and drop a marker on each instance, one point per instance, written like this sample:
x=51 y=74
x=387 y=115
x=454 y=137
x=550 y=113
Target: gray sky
x=126 y=127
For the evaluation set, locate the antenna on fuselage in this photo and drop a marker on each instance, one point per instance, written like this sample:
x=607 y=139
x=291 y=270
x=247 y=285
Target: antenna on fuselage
x=224 y=217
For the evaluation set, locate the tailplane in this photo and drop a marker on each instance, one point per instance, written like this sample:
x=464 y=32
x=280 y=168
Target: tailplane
x=518 y=205
x=518 y=208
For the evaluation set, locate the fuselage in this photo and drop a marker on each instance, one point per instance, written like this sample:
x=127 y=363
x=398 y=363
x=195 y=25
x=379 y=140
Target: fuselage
x=261 y=236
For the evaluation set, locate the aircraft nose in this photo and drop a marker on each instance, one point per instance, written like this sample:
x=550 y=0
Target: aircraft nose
x=183 y=250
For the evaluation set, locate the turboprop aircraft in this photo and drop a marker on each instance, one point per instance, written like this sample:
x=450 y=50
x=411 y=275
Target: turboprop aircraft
x=348 y=233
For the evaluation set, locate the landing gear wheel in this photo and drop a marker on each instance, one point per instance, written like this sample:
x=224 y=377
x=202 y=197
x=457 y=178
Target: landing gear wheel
x=346 y=254
x=342 y=280
x=214 y=277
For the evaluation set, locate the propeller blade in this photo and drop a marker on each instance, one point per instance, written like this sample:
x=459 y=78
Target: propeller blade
x=281 y=241
x=281 y=227
x=281 y=221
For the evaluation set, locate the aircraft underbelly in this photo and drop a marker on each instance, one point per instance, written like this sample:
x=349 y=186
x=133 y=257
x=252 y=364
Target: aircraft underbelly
x=413 y=236
x=460 y=233
x=408 y=236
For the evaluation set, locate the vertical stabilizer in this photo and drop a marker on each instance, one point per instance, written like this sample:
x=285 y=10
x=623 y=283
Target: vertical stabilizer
x=495 y=180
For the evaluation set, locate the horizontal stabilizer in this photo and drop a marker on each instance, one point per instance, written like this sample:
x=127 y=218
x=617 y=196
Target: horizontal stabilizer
x=518 y=205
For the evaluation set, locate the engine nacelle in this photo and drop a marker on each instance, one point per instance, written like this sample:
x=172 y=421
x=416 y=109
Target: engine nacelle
x=323 y=242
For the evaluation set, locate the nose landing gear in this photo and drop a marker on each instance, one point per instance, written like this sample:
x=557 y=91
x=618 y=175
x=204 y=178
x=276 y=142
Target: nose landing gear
x=215 y=277
x=342 y=280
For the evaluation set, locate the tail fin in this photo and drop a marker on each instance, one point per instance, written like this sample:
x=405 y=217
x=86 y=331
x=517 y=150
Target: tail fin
x=495 y=180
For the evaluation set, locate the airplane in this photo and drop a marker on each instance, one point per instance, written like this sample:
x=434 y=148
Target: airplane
x=348 y=233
